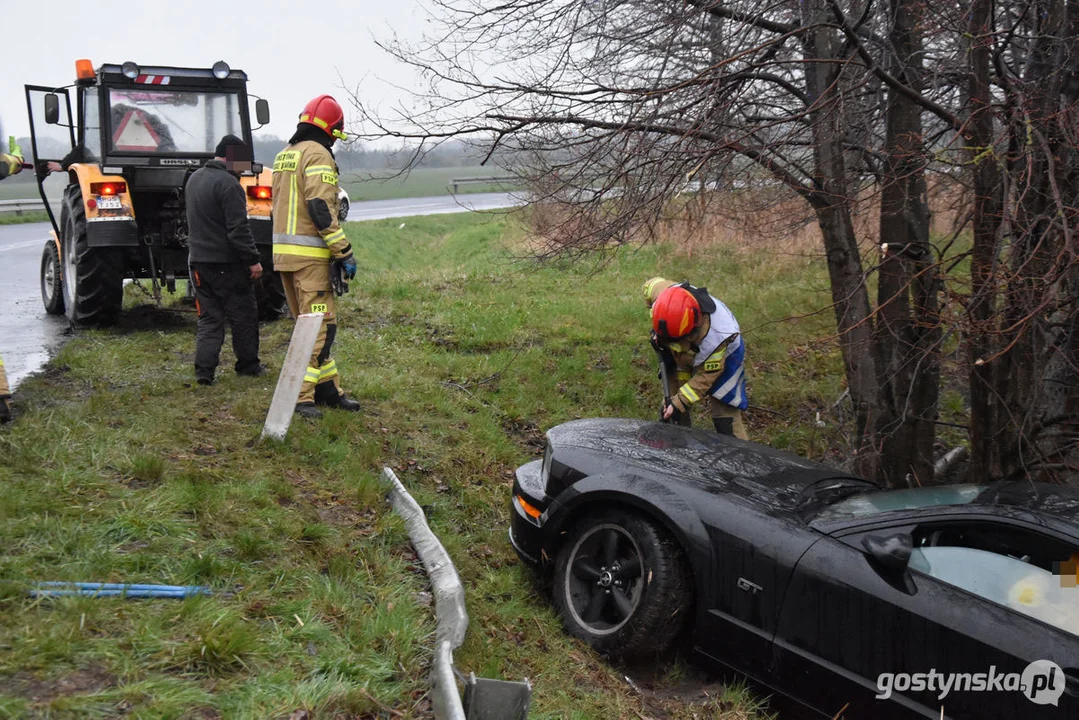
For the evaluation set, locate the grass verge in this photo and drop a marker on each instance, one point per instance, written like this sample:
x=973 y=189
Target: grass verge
x=10 y=218
x=122 y=469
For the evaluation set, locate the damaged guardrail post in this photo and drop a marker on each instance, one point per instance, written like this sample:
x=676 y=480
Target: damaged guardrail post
x=486 y=699
x=290 y=379
x=451 y=618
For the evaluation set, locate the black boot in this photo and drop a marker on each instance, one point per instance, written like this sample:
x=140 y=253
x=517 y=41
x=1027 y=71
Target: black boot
x=309 y=411
x=347 y=403
x=5 y=410
x=326 y=394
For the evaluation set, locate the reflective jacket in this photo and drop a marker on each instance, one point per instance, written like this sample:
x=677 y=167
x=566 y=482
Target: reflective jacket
x=712 y=356
x=305 y=226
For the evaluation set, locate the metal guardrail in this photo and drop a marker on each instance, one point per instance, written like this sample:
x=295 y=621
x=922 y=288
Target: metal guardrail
x=485 y=699
x=20 y=206
x=481 y=181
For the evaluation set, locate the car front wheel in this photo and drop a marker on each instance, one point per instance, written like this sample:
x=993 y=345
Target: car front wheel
x=622 y=585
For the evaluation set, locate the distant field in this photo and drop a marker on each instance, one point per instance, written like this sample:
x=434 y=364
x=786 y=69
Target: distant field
x=424 y=182
x=17 y=190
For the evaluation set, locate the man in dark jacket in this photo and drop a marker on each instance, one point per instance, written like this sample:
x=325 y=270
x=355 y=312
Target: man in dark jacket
x=224 y=261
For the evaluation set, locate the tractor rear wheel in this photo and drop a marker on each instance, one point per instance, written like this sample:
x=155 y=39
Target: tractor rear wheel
x=93 y=277
x=52 y=291
x=270 y=294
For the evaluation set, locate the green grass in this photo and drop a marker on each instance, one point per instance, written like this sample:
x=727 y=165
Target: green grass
x=10 y=218
x=122 y=469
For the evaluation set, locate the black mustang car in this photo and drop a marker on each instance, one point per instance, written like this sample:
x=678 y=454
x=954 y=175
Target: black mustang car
x=854 y=601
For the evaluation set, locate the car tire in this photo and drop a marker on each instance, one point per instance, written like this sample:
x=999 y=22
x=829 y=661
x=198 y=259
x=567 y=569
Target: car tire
x=622 y=585
x=342 y=210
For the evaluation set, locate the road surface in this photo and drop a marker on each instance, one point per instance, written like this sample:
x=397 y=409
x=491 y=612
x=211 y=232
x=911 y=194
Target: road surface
x=28 y=336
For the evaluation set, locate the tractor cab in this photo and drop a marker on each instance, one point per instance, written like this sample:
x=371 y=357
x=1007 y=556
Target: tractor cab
x=122 y=141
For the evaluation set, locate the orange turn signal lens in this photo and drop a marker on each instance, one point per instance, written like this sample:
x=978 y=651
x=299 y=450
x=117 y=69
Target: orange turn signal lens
x=84 y=70
x=530 y=510
x=260 y=192
x=108 y=188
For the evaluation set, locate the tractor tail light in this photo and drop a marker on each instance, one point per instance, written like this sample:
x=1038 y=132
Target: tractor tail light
x=108 y=188
x=260 y=192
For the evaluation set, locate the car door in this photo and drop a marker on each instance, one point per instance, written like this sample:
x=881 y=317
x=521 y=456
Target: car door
x=858 y=637
x=753 y=556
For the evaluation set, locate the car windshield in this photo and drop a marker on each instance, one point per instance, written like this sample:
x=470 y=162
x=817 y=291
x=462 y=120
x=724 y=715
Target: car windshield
x=144 y=121
x=882 y=501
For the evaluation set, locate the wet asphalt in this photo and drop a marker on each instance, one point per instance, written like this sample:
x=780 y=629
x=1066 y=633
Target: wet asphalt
x=29 y=336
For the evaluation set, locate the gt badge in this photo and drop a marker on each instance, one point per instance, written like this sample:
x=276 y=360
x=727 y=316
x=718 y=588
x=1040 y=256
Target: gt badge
x=749 y=587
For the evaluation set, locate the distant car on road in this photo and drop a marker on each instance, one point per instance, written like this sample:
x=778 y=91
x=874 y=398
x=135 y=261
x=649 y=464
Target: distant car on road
x=343 y=205
x=817 y=584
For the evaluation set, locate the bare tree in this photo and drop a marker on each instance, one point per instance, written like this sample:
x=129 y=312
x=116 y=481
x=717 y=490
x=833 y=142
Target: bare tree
x=611 y=107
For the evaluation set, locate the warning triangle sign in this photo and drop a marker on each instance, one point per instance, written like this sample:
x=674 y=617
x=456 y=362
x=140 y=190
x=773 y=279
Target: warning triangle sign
x=135 y=134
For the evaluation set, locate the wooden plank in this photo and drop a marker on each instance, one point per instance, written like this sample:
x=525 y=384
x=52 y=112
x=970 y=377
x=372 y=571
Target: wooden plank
x=290 y=380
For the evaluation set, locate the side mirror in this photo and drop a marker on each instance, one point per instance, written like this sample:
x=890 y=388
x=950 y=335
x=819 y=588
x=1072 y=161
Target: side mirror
x=892 y=552
x=262 y=111
x=52 y=109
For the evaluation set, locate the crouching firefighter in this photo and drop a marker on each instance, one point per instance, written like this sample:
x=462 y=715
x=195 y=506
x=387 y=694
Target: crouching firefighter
x=698 y=337
x=307 y=238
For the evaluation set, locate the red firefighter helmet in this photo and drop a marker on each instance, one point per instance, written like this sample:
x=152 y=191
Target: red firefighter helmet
x=324 y=113
x=675 y=313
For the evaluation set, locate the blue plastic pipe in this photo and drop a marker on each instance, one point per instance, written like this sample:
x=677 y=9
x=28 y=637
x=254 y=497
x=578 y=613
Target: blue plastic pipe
x=130 y=590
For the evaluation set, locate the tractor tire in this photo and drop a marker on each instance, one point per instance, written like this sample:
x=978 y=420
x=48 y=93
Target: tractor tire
x=623 y=585
x=52 y=284
x=270 y=294
x=93 y=278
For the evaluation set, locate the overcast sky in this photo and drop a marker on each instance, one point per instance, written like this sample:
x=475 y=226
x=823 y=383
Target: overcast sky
x=291 y=51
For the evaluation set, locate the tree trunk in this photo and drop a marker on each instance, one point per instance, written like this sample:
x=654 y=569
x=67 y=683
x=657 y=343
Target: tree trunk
x=986 y=220
x=832 y=206
x=906 y=343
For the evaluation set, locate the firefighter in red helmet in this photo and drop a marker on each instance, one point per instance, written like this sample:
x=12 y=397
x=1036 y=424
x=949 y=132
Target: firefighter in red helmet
x=698 y=338
x=307 y=238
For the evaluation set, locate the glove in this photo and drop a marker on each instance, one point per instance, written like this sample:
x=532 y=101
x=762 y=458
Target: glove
x=349 y=264
x=13 y=148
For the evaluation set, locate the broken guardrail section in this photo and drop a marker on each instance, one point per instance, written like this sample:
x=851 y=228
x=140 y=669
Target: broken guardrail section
x=485 y=699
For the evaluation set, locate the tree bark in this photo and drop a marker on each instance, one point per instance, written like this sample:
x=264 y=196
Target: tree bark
x=832 y=206
x=906 y=337
x=986 y=219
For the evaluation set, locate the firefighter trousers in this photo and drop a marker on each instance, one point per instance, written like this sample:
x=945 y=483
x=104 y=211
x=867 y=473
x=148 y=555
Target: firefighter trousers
x=726 y=419
x=224 y=292
x=5 y=395
x=308 y=291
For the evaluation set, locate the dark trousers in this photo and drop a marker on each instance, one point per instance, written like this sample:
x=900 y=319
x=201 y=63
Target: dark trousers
x=225 y=292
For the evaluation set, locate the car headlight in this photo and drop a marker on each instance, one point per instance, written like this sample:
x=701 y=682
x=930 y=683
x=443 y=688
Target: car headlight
x=545 y=469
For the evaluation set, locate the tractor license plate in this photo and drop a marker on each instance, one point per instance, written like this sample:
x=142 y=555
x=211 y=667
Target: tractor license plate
x=105 y=202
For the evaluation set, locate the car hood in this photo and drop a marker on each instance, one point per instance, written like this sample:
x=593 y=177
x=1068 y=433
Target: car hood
x=700 y=459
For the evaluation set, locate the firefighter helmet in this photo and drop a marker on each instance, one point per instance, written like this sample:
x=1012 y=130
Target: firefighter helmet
x=324 y=113
x=675 y=314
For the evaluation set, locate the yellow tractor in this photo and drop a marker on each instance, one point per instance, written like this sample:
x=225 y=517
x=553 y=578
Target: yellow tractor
x=122 y=142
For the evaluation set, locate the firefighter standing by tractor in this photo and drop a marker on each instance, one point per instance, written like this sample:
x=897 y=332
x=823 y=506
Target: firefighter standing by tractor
x=702 y=352
x=11 y=163
x=307 y=239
